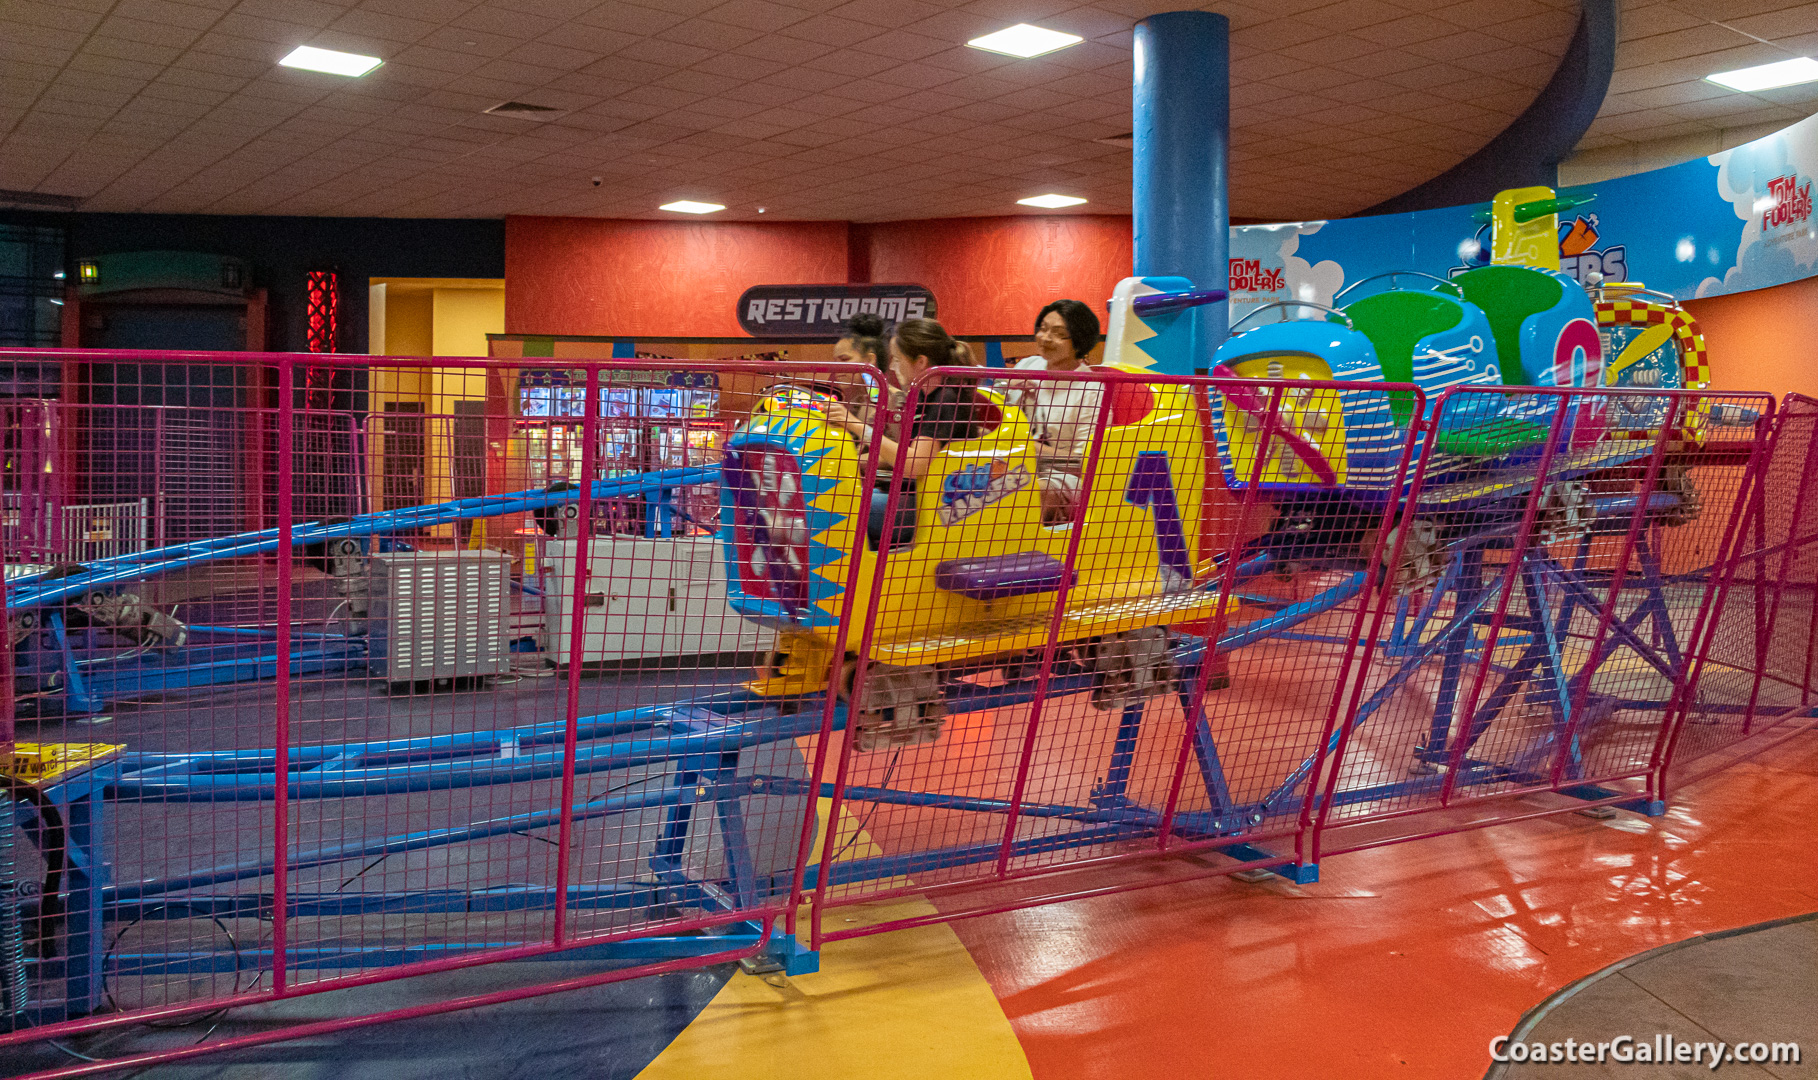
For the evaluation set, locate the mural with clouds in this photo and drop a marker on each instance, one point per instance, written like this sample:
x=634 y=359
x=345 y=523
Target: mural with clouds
x=1768 y=184
x=1733 y=222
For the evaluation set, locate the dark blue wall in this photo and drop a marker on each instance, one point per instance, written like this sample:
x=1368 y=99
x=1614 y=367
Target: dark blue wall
x=280 y=252
x=1528 y=151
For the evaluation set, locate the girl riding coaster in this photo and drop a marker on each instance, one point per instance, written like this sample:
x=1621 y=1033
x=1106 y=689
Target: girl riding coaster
x=968 y=574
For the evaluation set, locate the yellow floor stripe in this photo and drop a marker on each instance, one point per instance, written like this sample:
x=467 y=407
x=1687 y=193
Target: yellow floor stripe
x=909 y=1004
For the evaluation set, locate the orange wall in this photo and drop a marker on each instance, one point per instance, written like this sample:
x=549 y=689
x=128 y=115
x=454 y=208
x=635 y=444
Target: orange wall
x=1763 y=340
x=683 y=279
x=655 y=278
x=991 y=275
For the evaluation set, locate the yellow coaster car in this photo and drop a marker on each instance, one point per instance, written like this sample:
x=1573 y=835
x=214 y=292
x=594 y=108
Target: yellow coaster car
x=974 y=583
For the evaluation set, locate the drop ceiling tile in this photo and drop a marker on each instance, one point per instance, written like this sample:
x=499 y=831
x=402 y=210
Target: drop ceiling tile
x=779 y=50
x=1396 y=33
x=165 y=12
x=1644 y=18
x=1278 y=35
x=759 y=15
x=51 y=16
x=1672 y=94
x=635 y=19
x=1263 y=66
x=886 y=13
x=668 y=53
x=1504 y=61
x=126 y=51
x=714 y=37
x=1694 y=41
x=1313 y=80
x=1785 y=22
x=1361 y=92
x=1798 y=97
x=471 y=44
x=1727 y=10
x=226 y=54
x=542 y=60
x=40 y=43
x=501 y=21
x=902 y=46
x=829 y=30
x=105 y=81
x=1730 y=112
x=864 y=117
x=1332 y=49
x=805 y=80
x=423 y=77
x=1475 y=14
x=1746 y=55
x=803 y=137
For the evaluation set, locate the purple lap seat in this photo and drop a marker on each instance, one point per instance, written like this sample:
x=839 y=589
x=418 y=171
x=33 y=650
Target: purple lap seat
x=994 y=577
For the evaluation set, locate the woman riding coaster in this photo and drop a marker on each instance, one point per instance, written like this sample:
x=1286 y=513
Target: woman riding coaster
x=866 y=340
x=1061 y=414
x=949 y=410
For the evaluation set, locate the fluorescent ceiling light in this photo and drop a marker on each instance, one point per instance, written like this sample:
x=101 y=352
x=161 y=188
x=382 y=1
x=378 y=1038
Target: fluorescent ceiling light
x=310 y=58
x=1024 y=41
x=1050 y=202
x=1800 y=69
x=684 y=206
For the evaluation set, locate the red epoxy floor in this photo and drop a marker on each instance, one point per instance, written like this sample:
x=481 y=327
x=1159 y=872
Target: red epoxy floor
x=1403 y=961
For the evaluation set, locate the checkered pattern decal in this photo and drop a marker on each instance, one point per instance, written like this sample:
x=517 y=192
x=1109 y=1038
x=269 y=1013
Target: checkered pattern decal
x=1694 y=359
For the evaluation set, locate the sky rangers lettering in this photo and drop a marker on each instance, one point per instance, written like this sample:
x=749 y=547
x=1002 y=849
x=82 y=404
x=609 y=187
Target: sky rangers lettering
x=971 y=489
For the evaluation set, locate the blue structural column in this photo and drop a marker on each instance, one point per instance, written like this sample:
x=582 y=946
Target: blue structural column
x=1181 y=138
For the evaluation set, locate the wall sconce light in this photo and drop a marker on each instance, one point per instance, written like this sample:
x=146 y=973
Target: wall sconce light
x=88 y=272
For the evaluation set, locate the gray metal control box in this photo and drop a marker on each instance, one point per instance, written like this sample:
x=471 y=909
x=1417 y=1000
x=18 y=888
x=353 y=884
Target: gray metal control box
x=439 y=614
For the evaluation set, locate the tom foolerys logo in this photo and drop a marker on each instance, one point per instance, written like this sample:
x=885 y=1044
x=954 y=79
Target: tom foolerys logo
x=1250 y=275
x=1787 y=202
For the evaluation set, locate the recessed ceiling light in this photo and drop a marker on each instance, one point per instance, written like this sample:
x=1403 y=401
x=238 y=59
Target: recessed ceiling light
x=1050 y=202
x=1024 y=41
x=310 y=58
x=1800 y=69
x=684 y=206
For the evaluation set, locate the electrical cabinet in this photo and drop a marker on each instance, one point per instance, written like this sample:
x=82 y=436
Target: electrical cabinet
x=439 y=614
x=644 y=599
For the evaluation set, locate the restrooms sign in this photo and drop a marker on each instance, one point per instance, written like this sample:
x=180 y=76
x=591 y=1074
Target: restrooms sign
x=773 y=311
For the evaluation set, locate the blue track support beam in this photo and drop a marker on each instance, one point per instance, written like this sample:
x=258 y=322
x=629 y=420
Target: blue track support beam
x=1181 y=140
x=1298 y=873
x=37 y=591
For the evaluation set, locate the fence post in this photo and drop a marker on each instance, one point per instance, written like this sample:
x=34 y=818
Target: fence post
x=280 y=908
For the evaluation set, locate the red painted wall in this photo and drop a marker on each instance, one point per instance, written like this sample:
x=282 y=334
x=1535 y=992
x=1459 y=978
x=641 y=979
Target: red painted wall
x=655 y=278
x=991 y=275
x=683 y=279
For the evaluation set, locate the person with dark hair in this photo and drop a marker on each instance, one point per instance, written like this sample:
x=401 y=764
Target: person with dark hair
x=1061 y=414
x=865 y=341
x=948 y=411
